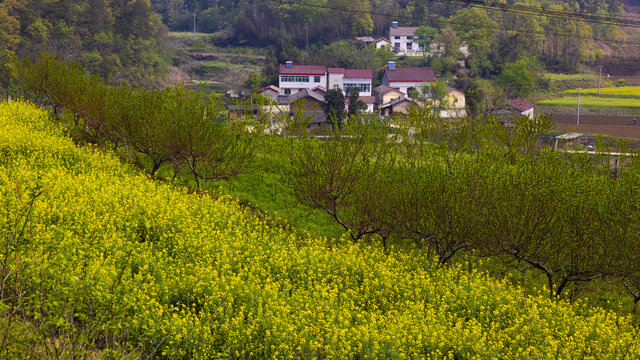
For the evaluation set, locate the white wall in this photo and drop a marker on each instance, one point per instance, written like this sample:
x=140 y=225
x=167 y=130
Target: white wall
x=297 y=86
x=357 y=81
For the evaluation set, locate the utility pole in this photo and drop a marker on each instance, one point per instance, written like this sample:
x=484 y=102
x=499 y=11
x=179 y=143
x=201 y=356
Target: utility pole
x=194 y=26
x=599 y=76
x=578 y=119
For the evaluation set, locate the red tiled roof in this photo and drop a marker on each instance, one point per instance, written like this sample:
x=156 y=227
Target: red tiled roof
x=319 y=88
x=410 y=74
x=272 y=87
x=521 y=104
x=302 y=70
x=383 y=89
x=335 y=70
x=365 y=99
x=401 y=31
x=368 y=74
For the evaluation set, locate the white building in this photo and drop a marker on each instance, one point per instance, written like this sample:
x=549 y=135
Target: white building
x=339 y=78
x=402 y=40
x=407 y=79
x=293 y=78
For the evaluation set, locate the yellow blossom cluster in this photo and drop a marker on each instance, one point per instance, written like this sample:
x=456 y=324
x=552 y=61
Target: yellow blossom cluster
x=179 y=275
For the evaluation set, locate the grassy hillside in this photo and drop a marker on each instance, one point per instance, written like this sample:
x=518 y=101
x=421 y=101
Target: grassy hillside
x=197 y=62
x=101 y=261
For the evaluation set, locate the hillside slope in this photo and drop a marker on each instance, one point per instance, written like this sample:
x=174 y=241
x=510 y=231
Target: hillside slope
x=110 y=261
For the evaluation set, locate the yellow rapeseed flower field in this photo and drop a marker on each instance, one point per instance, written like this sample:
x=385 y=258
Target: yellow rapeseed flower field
x=183 y=276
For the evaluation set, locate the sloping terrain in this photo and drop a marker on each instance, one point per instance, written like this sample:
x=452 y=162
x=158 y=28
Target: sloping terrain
x=102 y=261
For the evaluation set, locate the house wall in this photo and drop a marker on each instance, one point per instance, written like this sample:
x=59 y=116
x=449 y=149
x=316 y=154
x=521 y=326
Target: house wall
x=528 y=113
x=306 y=104
x=401 y=42
x=333 y=80
x=404 y=86
x=390 y=96
x=357 y=81
x=294 y=87
x=452 y=103
x=383 y=45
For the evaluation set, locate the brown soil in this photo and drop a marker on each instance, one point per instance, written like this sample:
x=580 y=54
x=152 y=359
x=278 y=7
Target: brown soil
x=619 y=126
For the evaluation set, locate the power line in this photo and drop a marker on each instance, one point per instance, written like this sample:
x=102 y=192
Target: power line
x=448 y=22
x=547 y=12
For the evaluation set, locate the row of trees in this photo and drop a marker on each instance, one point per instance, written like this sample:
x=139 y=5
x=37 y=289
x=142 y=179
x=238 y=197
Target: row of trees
x=174 y=125
x=475 y=185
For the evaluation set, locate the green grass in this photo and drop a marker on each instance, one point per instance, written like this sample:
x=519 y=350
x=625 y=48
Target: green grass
x=610 y=98
x=565 y=77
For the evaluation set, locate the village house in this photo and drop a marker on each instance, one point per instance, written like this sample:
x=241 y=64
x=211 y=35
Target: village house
x=342 y=79
x=522 y=107
x=369 y=101
x=293 y=77
x=383 y=43
x=401 y=38
x=403 y=42
x=384 y=93
x=407 y=79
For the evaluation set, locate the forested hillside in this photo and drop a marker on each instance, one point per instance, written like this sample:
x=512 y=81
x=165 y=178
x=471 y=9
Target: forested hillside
x=118 y=39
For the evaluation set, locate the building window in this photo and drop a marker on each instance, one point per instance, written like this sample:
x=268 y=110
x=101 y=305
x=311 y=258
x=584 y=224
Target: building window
x=287 y=91
x=409 y=46
x=361 y=87
x=316 y=78
x=336 y=87
x=397 y=37
x=294 y=78
x=396 y=46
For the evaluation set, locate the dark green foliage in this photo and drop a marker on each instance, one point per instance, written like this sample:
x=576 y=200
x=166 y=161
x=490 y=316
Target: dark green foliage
x=517 y=78
x=333 y=106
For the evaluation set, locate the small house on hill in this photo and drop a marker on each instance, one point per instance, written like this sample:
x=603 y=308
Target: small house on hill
x=396 y=106
x=383 y=43
x=293 y=77
x=522 y=107
x=407 y=79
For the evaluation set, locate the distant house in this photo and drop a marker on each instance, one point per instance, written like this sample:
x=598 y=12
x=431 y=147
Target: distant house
x=407 y=79
x=342 y=79
x=383 y=43
x=271 y=91
x=384 y=94
x=401 y=38
x=320 y=90
x=403 y=42
x=241 y=112
x=293 y=77
x=522 y=107
x=455 y=104
x=365 y=39
x=370 y=101
x=514 y=108
x=396 y=106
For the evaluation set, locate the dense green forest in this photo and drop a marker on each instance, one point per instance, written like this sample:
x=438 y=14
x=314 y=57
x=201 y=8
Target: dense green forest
x=126 y=40
x=122 y=40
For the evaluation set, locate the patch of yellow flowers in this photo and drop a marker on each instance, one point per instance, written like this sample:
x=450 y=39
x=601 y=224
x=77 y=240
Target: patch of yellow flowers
x=185 y=276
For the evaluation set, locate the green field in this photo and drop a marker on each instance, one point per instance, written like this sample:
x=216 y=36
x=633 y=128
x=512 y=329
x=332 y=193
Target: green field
x=627 y=98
